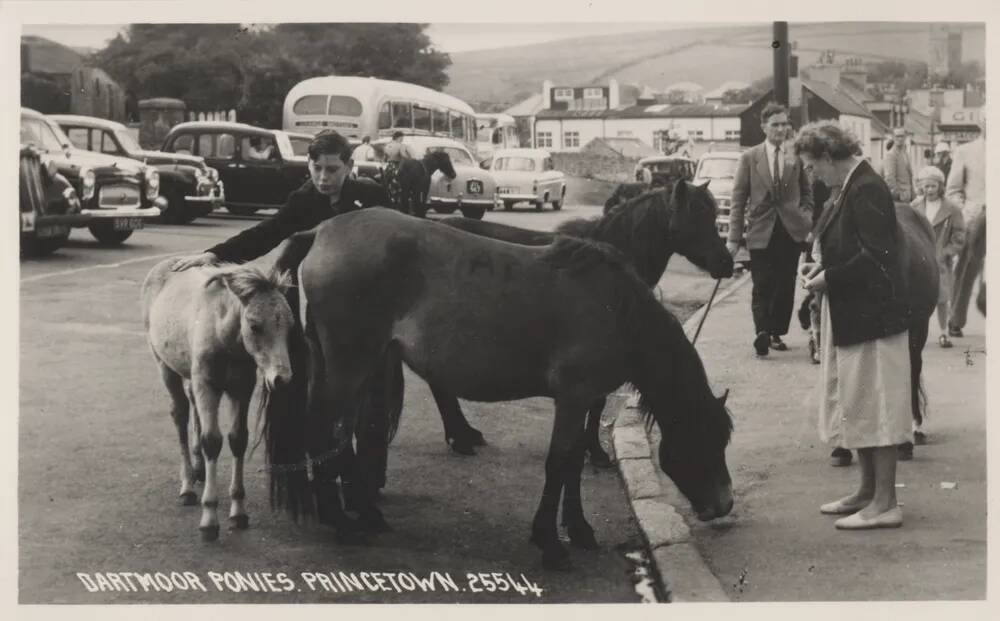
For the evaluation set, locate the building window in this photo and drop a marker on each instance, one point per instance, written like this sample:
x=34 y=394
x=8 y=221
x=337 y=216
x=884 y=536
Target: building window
x=543 y=140
x=696 y=134
x=571 y=139
x=732 y=134
x=562 y=94
x=661 y=138
x=593 y=93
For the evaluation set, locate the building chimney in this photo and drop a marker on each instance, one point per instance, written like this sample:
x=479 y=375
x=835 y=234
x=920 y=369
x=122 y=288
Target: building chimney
x=613 y=95
x=547 y=95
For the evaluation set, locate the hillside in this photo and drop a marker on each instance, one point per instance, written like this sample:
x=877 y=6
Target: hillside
x=708 y=56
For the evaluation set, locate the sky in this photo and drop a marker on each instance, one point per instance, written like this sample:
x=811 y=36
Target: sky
x=446 y=37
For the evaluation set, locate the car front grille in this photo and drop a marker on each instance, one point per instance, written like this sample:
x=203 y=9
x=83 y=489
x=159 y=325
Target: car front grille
x=32 y=188
x=115 y=196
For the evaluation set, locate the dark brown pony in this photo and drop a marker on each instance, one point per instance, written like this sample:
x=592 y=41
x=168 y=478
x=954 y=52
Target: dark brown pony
x=571 y=321
x=647 y=229
x=414 y=178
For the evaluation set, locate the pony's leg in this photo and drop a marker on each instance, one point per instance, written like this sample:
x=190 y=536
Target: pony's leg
x=458 y=433
x=179 y=411
x=598 y=456
x=565 y=457
x=580 y=532
x=207 y=398
x=196 y=454
x=238 y=438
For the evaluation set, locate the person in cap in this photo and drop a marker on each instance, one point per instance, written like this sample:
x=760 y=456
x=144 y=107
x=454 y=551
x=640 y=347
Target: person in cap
x=942 y=157
x=395 y=152
x=966 y=188
x=896 y=169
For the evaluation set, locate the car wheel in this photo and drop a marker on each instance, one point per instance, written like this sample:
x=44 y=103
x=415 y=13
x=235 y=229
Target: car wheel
x=445 y=209
x=105 y=233
x=475 y=213
x=508 y=205
x=539 y=205
x=241 y=211
x=32 y=246
x=177 y=212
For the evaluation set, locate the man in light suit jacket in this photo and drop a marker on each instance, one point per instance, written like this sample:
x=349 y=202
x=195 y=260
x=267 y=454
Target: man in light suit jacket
x=966 y=188
x=772 y=202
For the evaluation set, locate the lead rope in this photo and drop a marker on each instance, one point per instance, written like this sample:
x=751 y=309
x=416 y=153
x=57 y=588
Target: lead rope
x=708 y=307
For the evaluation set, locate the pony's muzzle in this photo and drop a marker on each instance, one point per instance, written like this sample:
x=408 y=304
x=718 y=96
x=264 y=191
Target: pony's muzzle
x=720 y=507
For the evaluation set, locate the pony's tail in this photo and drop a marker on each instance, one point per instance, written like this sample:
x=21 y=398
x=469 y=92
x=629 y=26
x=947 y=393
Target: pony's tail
x=286 y=411
x=918 y=397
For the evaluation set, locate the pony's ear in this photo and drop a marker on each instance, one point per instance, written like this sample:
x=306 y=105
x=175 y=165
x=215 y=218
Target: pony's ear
x=282 y=279
x=722 y=399
x=224 y=279
x=702 y=186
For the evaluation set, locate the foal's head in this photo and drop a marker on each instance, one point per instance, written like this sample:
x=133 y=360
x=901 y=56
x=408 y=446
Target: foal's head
x=439 y=160
x=693 y=232
x=265 y=319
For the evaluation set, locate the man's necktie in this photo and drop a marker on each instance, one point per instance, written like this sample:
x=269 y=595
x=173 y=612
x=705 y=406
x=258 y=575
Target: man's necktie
x=776 y=176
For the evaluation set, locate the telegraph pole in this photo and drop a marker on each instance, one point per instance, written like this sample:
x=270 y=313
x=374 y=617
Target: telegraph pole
x=781 y=54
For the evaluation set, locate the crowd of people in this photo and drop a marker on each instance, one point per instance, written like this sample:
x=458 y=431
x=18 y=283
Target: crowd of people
x=813 y=197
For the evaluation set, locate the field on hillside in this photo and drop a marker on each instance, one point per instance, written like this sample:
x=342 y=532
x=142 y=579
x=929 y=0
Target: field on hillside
x=708 y=56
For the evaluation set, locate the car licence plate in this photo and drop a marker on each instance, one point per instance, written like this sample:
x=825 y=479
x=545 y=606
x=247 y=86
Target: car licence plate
x=127 y=224
x=475 y=187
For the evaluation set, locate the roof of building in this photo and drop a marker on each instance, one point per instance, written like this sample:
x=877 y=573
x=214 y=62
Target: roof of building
x=528 y=107
x=690 y=87
x=625 y=146
x=649 y=111
x=836 y=97
x=722 y=89
x=45 y=56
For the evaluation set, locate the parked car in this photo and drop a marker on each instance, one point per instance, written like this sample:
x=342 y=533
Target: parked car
x=527 y=175
x=48 y=207
x=300 y=143
x=472 y=190
x=667 y=169
x=719 y=170
x=259 y=167
x=118 y=194
x=190 y=187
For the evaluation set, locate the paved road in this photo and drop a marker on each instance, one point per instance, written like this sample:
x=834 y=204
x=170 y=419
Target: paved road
x=97 y=470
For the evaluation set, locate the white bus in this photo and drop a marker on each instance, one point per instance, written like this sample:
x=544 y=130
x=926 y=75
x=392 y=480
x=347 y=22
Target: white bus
x=358 y=107
x=495 y=131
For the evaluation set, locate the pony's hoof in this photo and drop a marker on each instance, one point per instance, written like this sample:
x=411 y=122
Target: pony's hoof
x=476 y=437
x=583 y=537
x=462 y=447
x=209 y=533
x=239 y=522
x=189 y=499
x=600 y=458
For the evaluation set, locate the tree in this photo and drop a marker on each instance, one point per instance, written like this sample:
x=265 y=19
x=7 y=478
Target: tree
x=223 y=66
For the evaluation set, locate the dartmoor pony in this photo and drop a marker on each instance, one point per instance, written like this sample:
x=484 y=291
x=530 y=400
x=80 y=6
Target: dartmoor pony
x=571 y=321
x=414 y=178
x=647 y=230
x=211 y=330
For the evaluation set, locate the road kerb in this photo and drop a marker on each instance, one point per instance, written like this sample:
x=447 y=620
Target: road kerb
x=681 y=572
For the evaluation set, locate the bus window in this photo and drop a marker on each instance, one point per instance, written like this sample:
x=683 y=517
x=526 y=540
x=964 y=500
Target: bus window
x=342 y=105
x=470 y=126
x=401 y=116
x=385 y=116
x=310 y=104
x=457 y=126
x=421 y=118
x=440 y=121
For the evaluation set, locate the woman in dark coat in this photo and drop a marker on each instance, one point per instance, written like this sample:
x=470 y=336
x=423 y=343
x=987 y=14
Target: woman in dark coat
x=865 y=367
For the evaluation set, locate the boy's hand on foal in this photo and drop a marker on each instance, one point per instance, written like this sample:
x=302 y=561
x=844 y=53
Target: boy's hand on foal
x=196 y=260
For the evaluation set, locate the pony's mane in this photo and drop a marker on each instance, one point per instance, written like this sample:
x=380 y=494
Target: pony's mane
x=672 y=383
x=581 y=256
x=247 y=280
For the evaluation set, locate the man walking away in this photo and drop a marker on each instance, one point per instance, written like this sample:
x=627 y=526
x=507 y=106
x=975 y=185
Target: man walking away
x=966 y=188
x=772 y=201
x=897 y=171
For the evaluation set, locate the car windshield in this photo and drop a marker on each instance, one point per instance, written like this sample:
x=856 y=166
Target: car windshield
x=42 y=135
x=717 y=168
x=459 y=157
x=128 y=143
x=300 y=145
x=519 y=164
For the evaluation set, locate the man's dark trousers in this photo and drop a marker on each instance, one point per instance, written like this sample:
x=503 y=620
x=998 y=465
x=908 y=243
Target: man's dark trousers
x=773 y=271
